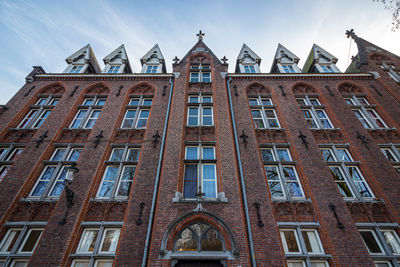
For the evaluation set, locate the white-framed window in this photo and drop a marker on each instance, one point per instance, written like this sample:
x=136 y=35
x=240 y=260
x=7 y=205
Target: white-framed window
x=288 y=68
x=8 y=155
x=200 y=110
x=249 y=69
x=88 y=112
x=19 y=242
x=38 y=112
x=200 y=173
x=282 y=177
x=346 y=173
x=391 y=71
x=263 y=112
x=365 y=112
x=314 y=113
x=137 y=113
x=97 y=245
x=392 y=153
x=302 y=245
x=382 y=242
x=151 y=68
x=119 y=173
x=50 y=183
x=200 y=73
x=113 y=69
x=76 y=69
x=327 y=68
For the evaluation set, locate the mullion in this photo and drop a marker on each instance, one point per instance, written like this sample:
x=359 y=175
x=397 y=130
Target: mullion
x=282 y=176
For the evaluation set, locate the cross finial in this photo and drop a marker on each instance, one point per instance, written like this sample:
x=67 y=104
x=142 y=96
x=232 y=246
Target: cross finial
x=350 y=33
x=176 y=60
x=224 y=59
x=200 y=35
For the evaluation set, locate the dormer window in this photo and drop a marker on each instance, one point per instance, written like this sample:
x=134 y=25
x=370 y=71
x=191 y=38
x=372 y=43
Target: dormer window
x=151 y=69
x=288 y=68
x=249 y=69
x=76 y=69
x=113 y=69
x=200 y=73
x=327 y=69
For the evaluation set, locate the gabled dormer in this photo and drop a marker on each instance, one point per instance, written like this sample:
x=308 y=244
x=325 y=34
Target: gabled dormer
x=247 y=61
x=153 y=61
x=285 y=61
x=320 y=61
x=117 y=61
x=82 y=61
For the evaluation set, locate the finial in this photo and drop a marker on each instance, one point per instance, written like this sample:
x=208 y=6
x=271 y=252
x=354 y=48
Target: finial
x=224 y=59
x=350 y=33
x=200 y=35
x=176 y=60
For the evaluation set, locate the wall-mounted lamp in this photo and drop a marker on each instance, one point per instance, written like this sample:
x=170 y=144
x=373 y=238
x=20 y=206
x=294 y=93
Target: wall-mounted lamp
x=69 y=194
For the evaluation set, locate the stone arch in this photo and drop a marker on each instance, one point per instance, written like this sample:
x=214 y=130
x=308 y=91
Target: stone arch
x=347 y=88
x=97 y=89
x=303 y=88
x=257 y=89
x=209 y=224
x=142 y=88
x=379 y=57
x=53 y=89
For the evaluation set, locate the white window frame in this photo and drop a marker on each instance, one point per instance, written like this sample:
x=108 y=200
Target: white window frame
x=250 y=68
x=151 y=68
x=200 y=162
x=343 y=166
x=90 y=109
x=394 y=150
x=362 y=106
x=200 y=105
x=262 y=108
x=40 y=109
x=59 y=166
x=75 y=69
x=141 y=106
x=279 y=165
x=313 y=108
x=327 y=68
x=121 y=165
x=6 y=158
x=288 y=68
x=200 y=69
x=113 y=69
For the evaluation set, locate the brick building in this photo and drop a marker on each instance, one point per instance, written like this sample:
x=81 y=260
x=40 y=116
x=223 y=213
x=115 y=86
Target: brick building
x=201 y=167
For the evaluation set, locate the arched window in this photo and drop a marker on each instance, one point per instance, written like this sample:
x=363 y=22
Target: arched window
x=199 y=237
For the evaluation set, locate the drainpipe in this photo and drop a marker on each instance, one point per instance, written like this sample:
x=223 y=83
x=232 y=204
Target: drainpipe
x=244 y=196
x=157 y=181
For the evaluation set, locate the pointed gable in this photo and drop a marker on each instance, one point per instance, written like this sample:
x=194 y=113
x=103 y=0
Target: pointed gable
x=320 y=61
x=84 y=61
x=200 y=46
x=153 y=61
x=247 y=57
x=117 y=61
x=285 y=61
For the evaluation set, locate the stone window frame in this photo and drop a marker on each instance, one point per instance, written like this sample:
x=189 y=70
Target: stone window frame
x=343 y=164
x=141 y=106
x=288 y=68
x=151 y=68
x=360 y=105
x=394 y=150
x=90 y=109
x=313 y=105
x=76 y=69
x=59 y=166
x=113 y=68
x=387 y=256
x=250 y=68
x=200 y=105
x=122 y=164
x=38 y=112
x=304 y=257
x=15 y=255
x=200 y=69
x=96 y=255
x=262 y=107
x=327 y=68
x=9 y=152
x=279 y=164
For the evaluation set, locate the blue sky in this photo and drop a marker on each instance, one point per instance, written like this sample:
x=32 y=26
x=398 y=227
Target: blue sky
x=46 y=32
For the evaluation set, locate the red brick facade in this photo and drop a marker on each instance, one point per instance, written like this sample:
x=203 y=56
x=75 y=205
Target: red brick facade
x=161 y=176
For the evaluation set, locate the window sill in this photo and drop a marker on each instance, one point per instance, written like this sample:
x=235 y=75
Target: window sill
x=270 y=129
x=28 y=199
x=325 y=129
x=380 y=129
x=311 y=256
x=297 y=200
x=108 y=200
x=370 y=200
x=178 y=198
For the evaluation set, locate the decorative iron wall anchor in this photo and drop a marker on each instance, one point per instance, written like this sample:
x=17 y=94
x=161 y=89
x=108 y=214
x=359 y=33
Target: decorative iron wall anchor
x=244 y=137
x=363 y=139
x=339 y=224
x=119 y=90
x=41 y=139
x=164 y=89
x=303 y=139
x=282 y=91
x=29 y=91
x=139 y=221
x=98 y=138
x=235 y=88
x=73 y=91
x=155 y=139
x=259 y=222
x=329 y=90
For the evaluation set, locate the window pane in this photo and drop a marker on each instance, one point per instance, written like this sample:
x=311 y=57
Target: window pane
x=266 y=102
x=147 y=102
x=267 y=154
x=192 y=152
x=88 y=240
x=142 y=121
x=274 y=182
x=75 y=154
x=370 y=242
x=190 y=182
x=43 y=181
x=327 y=154
x=283 y=155
x=343 y=154
x=117 y=154
x=110 y=240
x=88 y=102
x=193 y=99
x=296 y=264
x=104 y=263
x=319 y=264
x=58 y=154
x=59 y=185
x=341 y=182
x=392 y=241
x=134 y=102
x=133 y=154
x=20 y=263
x=289 y=237
x=108 y=181
x=208 y=153
x=253 y=102
x=101 y=102
x=31 y=240
x=126 y=180
x=10 y=239
x=81 y=263
x=206 y=99
x=209 y=181
x=311 y=241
